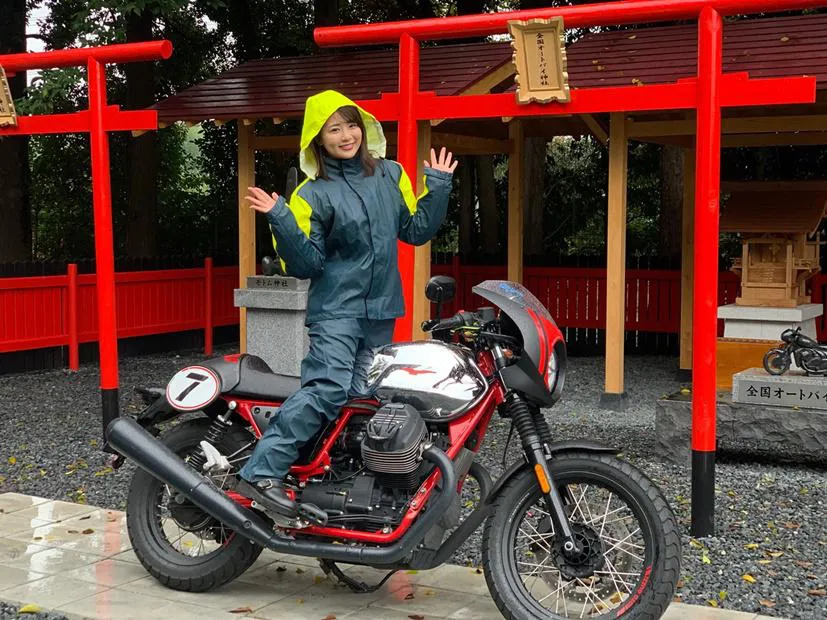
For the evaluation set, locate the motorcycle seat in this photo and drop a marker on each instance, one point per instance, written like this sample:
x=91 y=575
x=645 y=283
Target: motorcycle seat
x=252 y=378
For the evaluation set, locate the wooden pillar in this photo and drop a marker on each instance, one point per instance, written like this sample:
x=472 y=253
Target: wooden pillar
x=687 y=257
x=514 y=243
x=246 y=219
x=614 y=396
x=422 y=253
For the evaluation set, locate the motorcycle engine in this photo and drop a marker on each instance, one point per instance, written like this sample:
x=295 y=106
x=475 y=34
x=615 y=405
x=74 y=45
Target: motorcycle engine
x=377 y=466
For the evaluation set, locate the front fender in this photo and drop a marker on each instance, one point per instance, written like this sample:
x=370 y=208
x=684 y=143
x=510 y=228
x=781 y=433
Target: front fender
x=557 y=447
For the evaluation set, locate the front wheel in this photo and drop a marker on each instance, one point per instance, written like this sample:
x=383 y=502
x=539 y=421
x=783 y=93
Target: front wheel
x=776 y=361
x=629 y=563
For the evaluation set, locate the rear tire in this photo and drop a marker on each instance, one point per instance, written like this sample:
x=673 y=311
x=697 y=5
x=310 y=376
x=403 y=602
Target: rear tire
x=596 y=585
x=149 y=528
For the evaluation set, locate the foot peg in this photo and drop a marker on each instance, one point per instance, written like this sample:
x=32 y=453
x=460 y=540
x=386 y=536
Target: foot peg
x=313 y=514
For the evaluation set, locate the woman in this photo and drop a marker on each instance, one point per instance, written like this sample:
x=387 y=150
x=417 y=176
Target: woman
x=340 y=230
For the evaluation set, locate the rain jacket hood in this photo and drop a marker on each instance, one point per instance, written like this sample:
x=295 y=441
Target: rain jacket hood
x=321 y=107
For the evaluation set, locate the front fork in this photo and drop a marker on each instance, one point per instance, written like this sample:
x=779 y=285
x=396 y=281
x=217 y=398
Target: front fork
x=532 y=433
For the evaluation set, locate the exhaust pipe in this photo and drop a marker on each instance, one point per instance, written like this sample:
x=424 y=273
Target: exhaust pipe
x=135 y=443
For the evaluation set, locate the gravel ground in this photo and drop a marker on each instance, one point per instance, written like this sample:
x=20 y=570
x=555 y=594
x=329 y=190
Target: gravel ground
x=10 y=612
x=770 y=555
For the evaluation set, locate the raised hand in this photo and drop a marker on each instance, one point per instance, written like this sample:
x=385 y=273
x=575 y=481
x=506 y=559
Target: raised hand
x=444 y=162
x=260 y=200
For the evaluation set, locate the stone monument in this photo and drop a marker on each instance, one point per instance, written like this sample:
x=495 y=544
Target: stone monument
x=276 y=308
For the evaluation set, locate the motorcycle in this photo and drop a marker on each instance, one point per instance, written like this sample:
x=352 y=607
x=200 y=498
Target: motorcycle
x=570 y=530
x=810 y=356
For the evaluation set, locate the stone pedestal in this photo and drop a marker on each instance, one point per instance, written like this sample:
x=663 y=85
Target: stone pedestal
x=760 y=323
x=276 y=309
x=784 y=433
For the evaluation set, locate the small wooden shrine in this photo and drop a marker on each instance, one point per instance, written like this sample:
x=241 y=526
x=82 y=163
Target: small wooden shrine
x=779 y=252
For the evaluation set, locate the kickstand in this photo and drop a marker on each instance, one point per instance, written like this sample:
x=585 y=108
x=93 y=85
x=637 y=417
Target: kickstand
x=330 y=568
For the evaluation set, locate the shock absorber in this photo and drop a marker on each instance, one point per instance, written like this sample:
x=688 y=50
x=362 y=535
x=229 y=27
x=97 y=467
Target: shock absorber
x=541 y=424
x=523 y=419
x=215 y=433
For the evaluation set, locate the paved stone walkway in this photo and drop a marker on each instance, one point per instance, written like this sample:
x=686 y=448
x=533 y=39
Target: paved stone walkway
x=76 y=560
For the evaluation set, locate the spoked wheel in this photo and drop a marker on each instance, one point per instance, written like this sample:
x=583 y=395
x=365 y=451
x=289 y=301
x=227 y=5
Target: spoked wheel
x=628 y=562
x=177 y=542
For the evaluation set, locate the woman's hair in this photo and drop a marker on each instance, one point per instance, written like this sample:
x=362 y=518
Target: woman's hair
x=350 y=114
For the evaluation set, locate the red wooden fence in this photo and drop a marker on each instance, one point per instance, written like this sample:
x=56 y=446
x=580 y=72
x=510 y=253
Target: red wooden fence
x=52 y=311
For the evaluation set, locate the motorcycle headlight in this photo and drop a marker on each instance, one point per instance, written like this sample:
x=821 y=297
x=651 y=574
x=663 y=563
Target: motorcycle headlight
x=552 y=371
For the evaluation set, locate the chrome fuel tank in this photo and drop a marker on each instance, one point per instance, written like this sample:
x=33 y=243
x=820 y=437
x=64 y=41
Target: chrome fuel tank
x=440 y=380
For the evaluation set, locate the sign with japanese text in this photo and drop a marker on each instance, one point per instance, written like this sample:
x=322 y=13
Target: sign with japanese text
x=7 y=113
x=540 y=60
x=791 y=390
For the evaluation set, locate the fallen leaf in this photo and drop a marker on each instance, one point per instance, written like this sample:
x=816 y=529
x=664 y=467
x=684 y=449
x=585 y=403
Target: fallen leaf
x=409 y=596
x=31 y=608
x=764 y=561
x=632 y=37
x=478 y=571
x=784 y=39
x=696 y=544
x=72 y=532
x=37 y=538
x=241 y=610
x=319 y=579
x=803 y=563
x=818 y=592
x=686 y=391
x=767 y=603
x=751 y=546
x=280 y=569
x=12 y=461
x=416 y=617
x=775 y=554
x=748 y=578
x=88 y=531
x=792 y=525
x=705 y=558
x=329 y=617
x=299 y=571
x=712 y=602
x=680 y=584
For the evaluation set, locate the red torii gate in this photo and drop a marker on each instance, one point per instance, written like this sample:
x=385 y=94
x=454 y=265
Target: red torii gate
x=98 y=120
x=710 y=91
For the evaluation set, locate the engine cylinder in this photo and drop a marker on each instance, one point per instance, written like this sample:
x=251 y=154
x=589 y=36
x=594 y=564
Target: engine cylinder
x=393 y=444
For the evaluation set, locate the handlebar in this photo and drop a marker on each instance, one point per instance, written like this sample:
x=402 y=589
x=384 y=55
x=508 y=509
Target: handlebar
x=458 y=320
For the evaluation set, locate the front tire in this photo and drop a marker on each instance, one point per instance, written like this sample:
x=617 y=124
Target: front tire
x=179 y=544
x=630 y=563
x=776 y=361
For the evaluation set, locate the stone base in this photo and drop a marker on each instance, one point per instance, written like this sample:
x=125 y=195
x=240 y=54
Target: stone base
x=614 y=402
x=760 y=323
x=756 y=386
x=777 y=432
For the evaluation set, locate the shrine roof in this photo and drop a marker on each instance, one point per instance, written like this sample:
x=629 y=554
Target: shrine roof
x=279 y=86
x=765 y=209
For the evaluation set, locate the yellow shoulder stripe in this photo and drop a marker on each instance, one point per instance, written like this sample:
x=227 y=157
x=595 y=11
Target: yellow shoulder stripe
x=302 y=211
x=407 y=191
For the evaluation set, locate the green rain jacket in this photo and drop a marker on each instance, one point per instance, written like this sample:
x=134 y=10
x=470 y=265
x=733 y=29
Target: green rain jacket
x=342 y=233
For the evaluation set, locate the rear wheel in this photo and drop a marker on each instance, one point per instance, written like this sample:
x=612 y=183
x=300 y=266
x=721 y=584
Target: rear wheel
x=178 y=543
x=629 y=562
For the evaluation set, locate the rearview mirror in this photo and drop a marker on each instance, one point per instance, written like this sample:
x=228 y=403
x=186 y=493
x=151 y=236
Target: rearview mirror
x=440 y=289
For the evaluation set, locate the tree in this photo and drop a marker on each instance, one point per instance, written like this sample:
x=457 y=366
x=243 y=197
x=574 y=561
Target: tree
x=15 y=233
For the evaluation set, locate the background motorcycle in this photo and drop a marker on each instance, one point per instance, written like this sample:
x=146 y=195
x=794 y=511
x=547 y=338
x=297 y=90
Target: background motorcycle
x=570 y=530
x=807 y=353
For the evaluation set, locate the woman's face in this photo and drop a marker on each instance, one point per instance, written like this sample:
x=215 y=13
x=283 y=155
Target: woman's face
x=340 y=138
